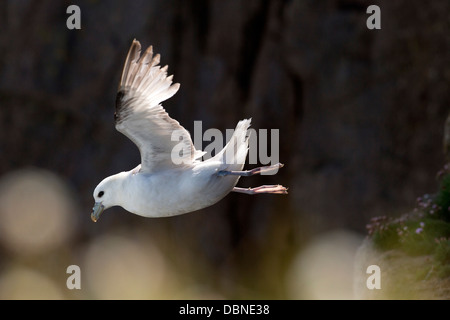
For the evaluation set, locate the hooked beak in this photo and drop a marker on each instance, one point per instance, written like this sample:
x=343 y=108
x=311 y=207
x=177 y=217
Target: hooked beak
x=98 y=209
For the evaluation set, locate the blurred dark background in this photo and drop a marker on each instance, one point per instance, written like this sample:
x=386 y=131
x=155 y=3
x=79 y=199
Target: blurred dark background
x=361 y=116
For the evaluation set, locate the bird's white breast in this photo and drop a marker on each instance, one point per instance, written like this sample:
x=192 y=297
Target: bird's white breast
x=174 y=192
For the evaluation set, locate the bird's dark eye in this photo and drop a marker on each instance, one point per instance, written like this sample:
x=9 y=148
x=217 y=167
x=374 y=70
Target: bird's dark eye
x=100 y=194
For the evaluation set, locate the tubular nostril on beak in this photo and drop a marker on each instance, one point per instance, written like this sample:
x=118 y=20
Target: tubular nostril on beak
x=97 y=211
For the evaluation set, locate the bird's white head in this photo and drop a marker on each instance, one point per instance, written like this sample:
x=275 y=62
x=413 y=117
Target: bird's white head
x=106 y=194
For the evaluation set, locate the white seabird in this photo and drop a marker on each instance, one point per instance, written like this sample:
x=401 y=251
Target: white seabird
x=160 y=186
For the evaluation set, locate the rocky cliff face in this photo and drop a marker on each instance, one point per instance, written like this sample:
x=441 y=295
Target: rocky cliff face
x=360 y=112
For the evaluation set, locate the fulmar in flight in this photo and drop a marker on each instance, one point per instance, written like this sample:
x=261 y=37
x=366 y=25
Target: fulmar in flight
x=170 y=180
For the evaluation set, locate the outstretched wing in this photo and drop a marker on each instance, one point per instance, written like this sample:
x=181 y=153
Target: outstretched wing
x=140 y=116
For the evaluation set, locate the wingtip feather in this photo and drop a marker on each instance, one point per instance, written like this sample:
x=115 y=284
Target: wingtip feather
x=132 y=56
x=142 y=74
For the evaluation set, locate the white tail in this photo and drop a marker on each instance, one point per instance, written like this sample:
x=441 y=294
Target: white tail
x=234 y=153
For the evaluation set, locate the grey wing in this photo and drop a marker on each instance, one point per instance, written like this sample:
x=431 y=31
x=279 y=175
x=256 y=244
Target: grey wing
x=162 y=141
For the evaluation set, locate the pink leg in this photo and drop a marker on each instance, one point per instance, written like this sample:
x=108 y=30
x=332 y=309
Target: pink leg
x=267 y=170
x=274 y=189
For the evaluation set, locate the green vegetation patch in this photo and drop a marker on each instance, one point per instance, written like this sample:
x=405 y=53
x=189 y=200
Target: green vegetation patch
x=424 y=231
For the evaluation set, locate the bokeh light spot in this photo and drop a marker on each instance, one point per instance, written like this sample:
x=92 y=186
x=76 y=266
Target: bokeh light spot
x=36 y=211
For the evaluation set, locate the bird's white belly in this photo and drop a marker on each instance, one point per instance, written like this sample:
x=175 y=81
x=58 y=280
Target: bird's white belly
x=175 y=192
